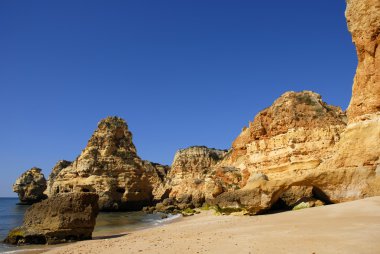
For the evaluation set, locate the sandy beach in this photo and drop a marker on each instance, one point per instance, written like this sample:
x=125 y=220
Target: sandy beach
x=352 y=227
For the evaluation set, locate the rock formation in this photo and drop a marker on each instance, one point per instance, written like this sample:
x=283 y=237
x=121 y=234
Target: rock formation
x=195 y=177
x=284 y=143
x=363 y=19
x=109 y=166
x=63 y=218
x=338 y=162
x=359 y=148
x=296 y=133
x=30 y=186
x=191 y=178
x=54 y=172
x=299 y=150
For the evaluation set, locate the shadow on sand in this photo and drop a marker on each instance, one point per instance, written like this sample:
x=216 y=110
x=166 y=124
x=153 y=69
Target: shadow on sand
x=109 y=236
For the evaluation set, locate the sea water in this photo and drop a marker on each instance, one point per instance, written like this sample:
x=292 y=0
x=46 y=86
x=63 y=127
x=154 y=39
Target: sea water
x=110 y=224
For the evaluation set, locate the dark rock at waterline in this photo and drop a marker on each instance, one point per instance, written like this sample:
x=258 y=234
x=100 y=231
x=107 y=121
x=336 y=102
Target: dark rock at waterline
x=62 y=218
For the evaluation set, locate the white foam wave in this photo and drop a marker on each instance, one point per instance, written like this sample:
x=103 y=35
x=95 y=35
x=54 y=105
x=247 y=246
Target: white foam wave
x=23 y=250
x=168 y=219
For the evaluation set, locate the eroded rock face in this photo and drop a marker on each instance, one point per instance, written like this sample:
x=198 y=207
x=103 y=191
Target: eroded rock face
x=359 y=147
x=299 y=148
x=363 y=19
x=62 y=218
x=332 y=186
x=192 y=178
x=30 y=186
x=157 y=180
x=340 y=162
x=296 y=133
x=110 y=167
x=54 y=172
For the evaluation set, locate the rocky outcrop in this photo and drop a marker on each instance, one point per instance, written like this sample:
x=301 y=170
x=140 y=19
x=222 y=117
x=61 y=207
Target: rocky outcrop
x=295 y=134
x=157 y=180
x=281 y=148
x=359 y=147
x=339 y=163
x=110 y=167
x=62 y=218
x=347 y=168
x=363 y=19
x=328 y=185
x=299 y=150
x=54 y=172
x=192 y=178
x=30 y=186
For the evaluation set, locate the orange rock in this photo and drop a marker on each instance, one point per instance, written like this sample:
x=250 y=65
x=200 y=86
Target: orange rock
x=363 y=19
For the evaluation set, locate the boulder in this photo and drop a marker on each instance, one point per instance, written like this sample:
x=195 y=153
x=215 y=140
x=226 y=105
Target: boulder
x=62 y=218
x=30 y=186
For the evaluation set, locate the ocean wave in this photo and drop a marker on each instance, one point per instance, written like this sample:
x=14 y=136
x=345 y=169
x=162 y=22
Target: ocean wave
x=168 y=219
x=24 y=250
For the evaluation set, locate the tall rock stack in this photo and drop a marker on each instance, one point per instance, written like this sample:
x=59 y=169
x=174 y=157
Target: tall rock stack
x=359 y=148
x=363 y=19
x=109 y=166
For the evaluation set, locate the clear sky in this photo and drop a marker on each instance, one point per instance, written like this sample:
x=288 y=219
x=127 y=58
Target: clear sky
x=181 y=72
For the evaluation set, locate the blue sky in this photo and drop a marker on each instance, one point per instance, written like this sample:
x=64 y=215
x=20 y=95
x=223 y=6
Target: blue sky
x=181 y=72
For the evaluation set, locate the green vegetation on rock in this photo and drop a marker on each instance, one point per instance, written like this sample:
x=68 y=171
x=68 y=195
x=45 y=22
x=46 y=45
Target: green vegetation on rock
x=301 y=205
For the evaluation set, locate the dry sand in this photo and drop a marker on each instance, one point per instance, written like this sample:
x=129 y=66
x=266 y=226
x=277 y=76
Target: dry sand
x=352 y=227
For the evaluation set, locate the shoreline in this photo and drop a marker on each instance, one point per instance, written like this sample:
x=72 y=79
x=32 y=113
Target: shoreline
x=100 y=234
x=350 y=227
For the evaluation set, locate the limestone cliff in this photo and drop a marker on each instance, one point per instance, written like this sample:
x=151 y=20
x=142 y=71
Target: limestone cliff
x=359 y=148
x=363 y=19
x=191 y=175
x=338 y=162
x=109 y=166
x=30 y=186
x=54 y=172
x=299 y=147
x=296 y=133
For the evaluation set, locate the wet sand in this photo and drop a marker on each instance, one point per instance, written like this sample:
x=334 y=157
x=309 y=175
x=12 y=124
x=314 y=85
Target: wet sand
x=352 y=227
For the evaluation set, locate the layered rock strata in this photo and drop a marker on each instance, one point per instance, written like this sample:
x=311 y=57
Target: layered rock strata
x=363 y=20
x=62 y=218
x=30 y=186
x=359 y=148
x=340 y=163
x=195 y=178
x=110 y=167
x=192 y=178
x=295 y=134
x=54 y=172
x=300 y=149
x=192 y=175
